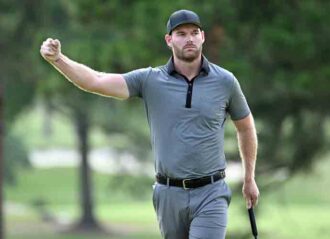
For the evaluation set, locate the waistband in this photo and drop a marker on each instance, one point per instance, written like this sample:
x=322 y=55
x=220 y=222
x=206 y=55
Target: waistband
x=191 y=182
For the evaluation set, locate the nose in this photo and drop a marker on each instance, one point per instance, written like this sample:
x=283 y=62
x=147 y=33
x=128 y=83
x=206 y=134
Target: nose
x=189 y=39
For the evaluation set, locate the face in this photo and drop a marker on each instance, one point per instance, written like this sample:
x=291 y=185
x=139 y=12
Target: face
x=186 y=42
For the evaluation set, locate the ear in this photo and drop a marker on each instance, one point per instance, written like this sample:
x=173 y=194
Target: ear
x=168 y=39
x=203 y=36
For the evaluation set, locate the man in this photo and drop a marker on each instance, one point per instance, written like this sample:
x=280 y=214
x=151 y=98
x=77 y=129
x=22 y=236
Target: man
x=186 y=101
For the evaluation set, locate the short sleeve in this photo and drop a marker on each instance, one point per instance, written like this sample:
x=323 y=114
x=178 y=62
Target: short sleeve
x=238 y=107
x=135 y=81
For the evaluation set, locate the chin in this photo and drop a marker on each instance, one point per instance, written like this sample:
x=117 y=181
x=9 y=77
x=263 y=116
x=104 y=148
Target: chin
x=190 y=57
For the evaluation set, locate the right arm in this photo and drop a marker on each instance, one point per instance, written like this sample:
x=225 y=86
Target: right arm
x=113 y=85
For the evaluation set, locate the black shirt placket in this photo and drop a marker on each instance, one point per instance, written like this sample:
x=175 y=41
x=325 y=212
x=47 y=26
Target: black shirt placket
x=189 y=90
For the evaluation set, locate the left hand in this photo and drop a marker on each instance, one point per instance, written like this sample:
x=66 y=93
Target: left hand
x=251 y=193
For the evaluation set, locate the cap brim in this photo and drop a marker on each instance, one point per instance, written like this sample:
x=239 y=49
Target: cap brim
x=184 y=23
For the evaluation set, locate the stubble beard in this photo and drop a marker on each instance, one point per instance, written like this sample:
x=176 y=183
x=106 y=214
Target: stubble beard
x=187 y=56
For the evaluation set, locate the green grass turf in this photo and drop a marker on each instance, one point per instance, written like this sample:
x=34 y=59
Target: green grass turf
x=298 y=209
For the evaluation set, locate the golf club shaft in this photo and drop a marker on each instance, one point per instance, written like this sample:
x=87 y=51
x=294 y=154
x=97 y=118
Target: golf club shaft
x=253 y=223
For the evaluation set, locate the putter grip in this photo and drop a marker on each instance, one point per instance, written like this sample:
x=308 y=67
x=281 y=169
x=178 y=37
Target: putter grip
x=253 y=222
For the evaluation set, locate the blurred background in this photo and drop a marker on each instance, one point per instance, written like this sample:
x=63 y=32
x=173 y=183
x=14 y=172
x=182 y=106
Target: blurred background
x=77 y=165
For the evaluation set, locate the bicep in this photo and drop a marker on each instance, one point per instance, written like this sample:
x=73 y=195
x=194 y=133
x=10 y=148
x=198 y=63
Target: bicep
x=113 y=85
x=245 y=124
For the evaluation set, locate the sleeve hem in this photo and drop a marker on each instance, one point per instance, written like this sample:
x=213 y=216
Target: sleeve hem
x=241 y=117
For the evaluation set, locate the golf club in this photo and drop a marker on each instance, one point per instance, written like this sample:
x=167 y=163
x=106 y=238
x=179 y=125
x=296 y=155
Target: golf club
x=253 y=223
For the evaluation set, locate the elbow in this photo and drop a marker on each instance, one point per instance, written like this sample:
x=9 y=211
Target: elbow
x=249 y=132
x=250 y=129
x=93 y=84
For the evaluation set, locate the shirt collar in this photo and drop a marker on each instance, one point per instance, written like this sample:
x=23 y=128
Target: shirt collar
x=204 y=66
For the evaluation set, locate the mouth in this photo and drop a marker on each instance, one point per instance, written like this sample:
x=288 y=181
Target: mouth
x=189 y=47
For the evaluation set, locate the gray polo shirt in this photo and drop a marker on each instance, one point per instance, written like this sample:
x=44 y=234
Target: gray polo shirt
x=186 y=118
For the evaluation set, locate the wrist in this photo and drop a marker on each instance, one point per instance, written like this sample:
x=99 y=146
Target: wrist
x=249 y=179
x=58 y=59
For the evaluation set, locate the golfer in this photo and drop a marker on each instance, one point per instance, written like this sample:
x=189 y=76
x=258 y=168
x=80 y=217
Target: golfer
x=187 y=101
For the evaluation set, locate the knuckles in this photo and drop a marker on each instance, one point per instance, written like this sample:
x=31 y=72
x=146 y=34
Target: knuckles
x=50 y=49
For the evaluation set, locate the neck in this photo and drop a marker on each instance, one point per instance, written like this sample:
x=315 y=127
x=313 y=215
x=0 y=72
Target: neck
x=188 y=69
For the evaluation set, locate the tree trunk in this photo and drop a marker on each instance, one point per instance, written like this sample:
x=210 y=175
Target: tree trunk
x=87 y=221
x=1 y=161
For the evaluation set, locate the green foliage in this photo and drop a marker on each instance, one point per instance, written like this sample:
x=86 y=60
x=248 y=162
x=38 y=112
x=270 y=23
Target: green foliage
x=15 y=155
x=278 y=50
x=16 y=61
x=279 y=53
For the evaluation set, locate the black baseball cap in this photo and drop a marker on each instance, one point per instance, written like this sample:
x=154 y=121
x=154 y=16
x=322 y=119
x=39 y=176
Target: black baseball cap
x=182 y=17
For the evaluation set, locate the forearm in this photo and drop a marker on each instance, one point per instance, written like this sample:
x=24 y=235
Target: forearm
x=79 y=74
x=248 y=144
x=106 y=84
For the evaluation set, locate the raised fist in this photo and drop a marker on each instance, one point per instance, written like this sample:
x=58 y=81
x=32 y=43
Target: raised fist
x=51 y=50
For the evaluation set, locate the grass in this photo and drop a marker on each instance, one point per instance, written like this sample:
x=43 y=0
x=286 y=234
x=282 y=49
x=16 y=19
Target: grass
x=57 y=188
x=295 y=221
x=299 y=209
